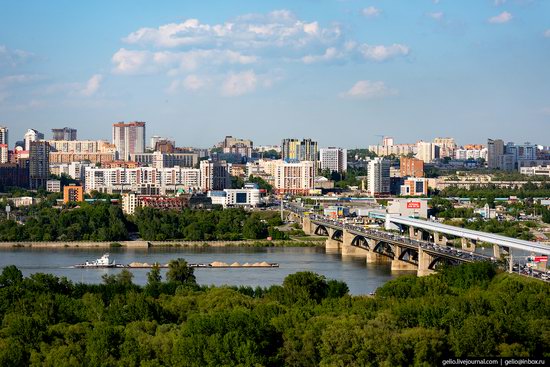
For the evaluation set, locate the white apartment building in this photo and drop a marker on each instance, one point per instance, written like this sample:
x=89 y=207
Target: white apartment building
x=378 y=177
x=4 y=157
x=53 y=186
x=129 y=138
x=81 y=146
x=294 y=178
x=214 y=175
x=32 y=135
x=4 y=135
x=465 y=154
x=146 y=180
x=333 y=159
x=427 y=151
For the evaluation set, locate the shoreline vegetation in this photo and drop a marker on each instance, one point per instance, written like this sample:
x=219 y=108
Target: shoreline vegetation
x=163 y=244
x=470 y=310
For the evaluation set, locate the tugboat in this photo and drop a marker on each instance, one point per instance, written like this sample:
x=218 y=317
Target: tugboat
x=102 y=262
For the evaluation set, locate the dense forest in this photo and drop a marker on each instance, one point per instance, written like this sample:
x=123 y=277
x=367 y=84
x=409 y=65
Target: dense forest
x=491 y=191
x=463 y=311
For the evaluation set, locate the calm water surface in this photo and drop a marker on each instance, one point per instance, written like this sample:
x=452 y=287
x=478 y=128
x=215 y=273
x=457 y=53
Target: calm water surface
x=360 y=277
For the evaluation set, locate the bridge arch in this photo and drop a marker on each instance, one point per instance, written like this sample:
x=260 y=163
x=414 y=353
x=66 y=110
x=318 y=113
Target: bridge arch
x=338 y=235
x=384 y=248
x=321 y=230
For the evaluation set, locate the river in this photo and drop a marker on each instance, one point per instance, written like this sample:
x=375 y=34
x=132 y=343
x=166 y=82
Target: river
x=360 y=277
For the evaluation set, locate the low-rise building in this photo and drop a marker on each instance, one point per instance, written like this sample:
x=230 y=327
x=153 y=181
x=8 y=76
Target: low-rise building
x=53 y=186
x=415 y=187
x=535 y=171
x=248 y=196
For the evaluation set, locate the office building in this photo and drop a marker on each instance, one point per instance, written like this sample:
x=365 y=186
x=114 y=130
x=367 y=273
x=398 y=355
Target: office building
x=65 y=133
x=248 y=196
x=129 y=138
x=411 y=167
x=4 y=135
x=378 y=177
x=333 y=159
x=214 y=175
x=73 y=193
x=39 y=164
x=296 y=178
x=32 y=135
x=14 y=175
x=415 y=187
x=294 y=150
x=535 y=171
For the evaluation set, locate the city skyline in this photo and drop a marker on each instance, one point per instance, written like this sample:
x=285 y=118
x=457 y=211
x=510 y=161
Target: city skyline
x=268 y=71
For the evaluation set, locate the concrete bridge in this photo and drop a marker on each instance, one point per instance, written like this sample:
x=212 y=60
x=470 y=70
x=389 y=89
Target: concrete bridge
x=383 y=247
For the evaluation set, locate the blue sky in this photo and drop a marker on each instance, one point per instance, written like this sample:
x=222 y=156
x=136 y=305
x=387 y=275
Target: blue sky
x=340 y=71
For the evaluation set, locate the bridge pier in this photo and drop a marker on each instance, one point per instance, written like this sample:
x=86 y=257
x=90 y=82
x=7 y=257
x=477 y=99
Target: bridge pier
x=348 y=249
x=499 y=251
x=424 y=261
x=307 y=226
x=400 y=265
x=439 y=239
x=468 y=245
x=332 y=244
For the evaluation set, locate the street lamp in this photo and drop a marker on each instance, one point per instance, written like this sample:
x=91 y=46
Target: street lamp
x=8 y=210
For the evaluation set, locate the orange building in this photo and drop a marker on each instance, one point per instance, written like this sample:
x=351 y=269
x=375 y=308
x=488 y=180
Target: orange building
x=411 y=167
x=73 y=193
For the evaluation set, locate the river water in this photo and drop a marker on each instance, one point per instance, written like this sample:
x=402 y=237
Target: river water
x=360 y=277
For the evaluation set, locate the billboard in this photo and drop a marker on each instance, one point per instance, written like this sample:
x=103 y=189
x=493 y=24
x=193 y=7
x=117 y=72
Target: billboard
x=413 y=205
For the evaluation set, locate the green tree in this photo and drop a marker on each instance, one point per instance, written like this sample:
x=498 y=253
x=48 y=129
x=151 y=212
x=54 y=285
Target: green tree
x=180 y=272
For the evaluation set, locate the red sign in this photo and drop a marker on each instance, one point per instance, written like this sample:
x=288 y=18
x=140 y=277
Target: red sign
x=541 y=259
x=413 y=205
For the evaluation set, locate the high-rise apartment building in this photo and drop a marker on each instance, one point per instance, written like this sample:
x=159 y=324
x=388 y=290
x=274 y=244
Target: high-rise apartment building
x=294 y=150
x=4 y=157
x=411 y=167
x=39 y=164
x=447 y=147
x=215 y=175
x=495 y=148
x=333 y=159
x=378 y=177
x=296 y=178
x=73 y=193
x=32 y=135
x=427 y=151
x=4 y=135
x=129 y=138
x=65 y=133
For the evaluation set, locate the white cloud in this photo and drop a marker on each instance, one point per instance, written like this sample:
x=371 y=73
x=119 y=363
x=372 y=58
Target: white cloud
x=499 y=2
x=503 y=17
x=331 y=53
x=92 y=86
x=279 y=29
x=383 y=53
x=366 y=89
x=194 y=83
x=371 y=11
x=438 y=15
x=237 y=84
x=547 y=33
x=145 y=62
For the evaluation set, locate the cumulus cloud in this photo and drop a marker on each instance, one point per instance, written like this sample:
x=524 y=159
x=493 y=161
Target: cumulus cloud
x=237 y=84
x=503 y=17
x=278 y=29
x=92 y=86
x=371 y=11
x=366 y=89
x=438 y=15
x=383 y=53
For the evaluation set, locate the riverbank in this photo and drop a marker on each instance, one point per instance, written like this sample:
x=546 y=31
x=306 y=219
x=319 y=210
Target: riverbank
x=148 y=244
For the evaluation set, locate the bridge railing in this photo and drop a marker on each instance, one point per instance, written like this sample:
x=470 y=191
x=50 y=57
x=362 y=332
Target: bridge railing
x=386 y=236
